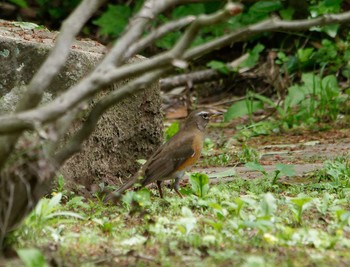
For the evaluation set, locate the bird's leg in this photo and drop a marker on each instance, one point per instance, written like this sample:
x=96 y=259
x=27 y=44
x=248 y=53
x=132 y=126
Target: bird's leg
x=176 y=186
x=160 y=189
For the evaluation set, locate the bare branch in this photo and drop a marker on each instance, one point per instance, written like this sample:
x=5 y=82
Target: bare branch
x=135 y=29
x=272 y=24
x=156 y=34
x=58 y=55
x=200 y=76
x=74 y=145
x=138 y=84
x=90 y=85
x=97 y=79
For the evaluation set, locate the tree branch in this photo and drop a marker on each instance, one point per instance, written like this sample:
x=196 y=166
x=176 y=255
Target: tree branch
x=97 y=79
x=91 y=84
x=156 y=34
x=272 y=24
x=50 y=68
x=135 y=29
x=74 y=144
x=197 y=77
x=132 y=87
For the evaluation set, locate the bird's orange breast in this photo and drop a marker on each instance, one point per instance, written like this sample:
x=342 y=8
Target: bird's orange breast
x=197 y=146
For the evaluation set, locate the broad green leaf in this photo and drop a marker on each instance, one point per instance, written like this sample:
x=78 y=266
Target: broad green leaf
x=213 y=6
x=312 y=83
x=219 y=66
x=20 y=3
x=267 y=101
x=287 y=14
x=168 y=40
x=331 y=30
x=171 y=130
x=190 y=9
x=304 y=54
x=301 y=201
x=267 y=205
x=265 y=6
x=253 y=57
x=330 y=85
x=260 y=10
x=32 y=257
x=255 y=167
x=254 y=261
x=65 y=214
x=295 y=95
x=346 y=72
x=55 y=201
x=287 y=170
x=188 y=222
x=240 y=109
x=113 y=21
x=26 y=25
x=325 y=7
x=200 y=184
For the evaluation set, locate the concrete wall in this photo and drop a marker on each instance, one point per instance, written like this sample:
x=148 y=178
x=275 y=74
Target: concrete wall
x=129 y=131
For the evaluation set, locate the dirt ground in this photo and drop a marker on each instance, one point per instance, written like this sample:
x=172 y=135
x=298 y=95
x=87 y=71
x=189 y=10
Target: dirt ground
x=305 y=150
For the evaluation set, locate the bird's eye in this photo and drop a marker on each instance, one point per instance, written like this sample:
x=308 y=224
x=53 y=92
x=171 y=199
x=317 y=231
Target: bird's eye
x=204 y=115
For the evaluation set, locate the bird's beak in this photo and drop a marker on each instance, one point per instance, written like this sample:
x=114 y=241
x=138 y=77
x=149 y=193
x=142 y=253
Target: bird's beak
x=214 y=114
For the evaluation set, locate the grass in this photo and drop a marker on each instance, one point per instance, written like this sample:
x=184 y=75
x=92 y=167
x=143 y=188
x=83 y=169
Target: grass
x=242 y=223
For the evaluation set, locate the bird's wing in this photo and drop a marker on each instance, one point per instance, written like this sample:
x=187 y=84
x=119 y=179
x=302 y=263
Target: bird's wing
x=167 y=158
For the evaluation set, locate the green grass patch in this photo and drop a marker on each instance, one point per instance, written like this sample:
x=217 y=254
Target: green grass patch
x=241 y=223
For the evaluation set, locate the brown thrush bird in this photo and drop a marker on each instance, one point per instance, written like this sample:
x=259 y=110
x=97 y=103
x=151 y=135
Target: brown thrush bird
x=173 y=158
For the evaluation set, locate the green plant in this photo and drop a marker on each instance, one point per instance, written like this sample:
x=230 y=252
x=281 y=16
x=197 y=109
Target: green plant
x=242 y=108
x=338 y=172
x=223 y=159
x=317 y=99
x=281 y=170
x=48 y=209
x=113 y=21
x=32 y=257
x=105 y=224
x=314 y=101
x=20 y=3
x=247 y=154
x=253 y=57
x=219 y=66
x=60 y=183
x=187 y=223
x=335 y=175
x=298 y=205
x=138 y=199
x=171 y=130
x=200 y=184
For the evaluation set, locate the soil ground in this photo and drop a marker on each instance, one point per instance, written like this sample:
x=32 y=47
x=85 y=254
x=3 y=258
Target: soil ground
x=305 y=150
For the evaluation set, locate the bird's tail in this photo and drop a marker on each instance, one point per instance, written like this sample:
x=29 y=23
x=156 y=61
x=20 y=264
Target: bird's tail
x=116 y=195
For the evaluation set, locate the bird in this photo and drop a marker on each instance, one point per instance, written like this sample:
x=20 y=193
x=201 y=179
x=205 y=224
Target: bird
x=172 y=159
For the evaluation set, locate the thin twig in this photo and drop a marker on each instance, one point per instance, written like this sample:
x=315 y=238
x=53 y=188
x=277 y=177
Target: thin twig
x=97 y=79
x=156 y=34
x=74 y=144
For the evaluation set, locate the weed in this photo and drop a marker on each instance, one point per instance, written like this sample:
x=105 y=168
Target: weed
x=247 y=154
x=200 y=184
x=253 y=217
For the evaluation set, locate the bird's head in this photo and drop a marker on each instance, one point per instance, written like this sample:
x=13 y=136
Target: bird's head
x=199 y=118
